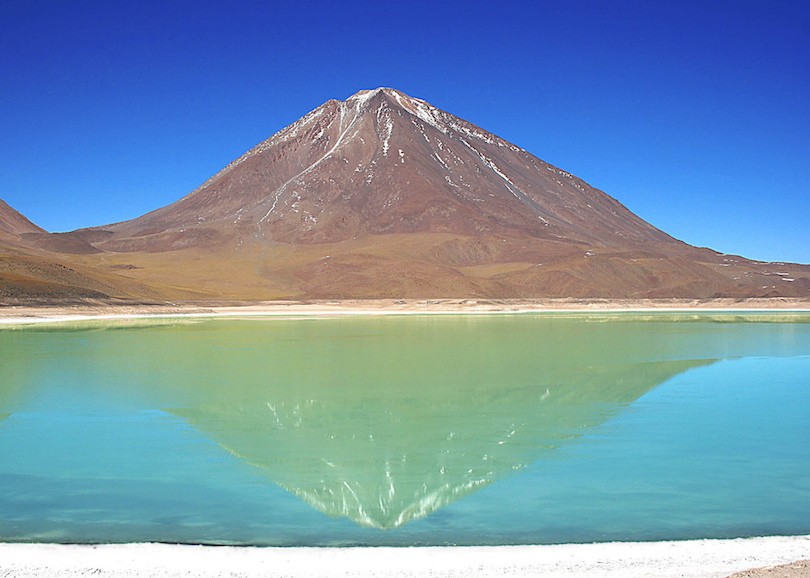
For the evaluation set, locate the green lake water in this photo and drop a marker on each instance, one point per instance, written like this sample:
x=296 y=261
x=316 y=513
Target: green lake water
x=497 y=429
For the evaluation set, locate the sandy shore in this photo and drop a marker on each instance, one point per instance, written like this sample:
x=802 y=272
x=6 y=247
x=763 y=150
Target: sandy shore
x=12 y=313
x=688 y=559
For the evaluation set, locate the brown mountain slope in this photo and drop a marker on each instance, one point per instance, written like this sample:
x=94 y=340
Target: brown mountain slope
x=12 y=222
x=384 y=195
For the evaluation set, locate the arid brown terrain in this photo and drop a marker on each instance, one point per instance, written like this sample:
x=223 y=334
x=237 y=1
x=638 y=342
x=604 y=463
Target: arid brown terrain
x=30 y=272
x=381 y=196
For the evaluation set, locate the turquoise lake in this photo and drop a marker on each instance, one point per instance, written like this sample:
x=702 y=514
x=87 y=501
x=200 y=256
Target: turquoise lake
x=406 y=430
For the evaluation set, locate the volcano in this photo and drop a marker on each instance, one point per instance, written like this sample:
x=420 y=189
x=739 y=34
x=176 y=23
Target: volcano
x=381 y=163
x=385 y=195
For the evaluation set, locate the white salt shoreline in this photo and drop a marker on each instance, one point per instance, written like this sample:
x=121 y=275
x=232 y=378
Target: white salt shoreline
x=684 y=559
x=29 y=315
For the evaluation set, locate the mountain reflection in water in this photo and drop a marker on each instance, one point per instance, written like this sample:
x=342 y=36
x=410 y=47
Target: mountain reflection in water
x=382 y=460
x=384 y=423
x=380 y=420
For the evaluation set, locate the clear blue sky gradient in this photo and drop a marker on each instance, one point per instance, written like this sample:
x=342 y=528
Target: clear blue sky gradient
x=694 y=114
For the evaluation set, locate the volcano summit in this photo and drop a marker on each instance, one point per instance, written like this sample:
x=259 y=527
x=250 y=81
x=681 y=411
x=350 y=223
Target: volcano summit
x=384 y=195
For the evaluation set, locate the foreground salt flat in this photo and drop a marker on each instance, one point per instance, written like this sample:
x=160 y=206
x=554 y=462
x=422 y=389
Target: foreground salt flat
x=687 y=559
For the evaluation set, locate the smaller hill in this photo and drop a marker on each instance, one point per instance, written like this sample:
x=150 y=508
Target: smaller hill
x=12 y=222
x=34 y=268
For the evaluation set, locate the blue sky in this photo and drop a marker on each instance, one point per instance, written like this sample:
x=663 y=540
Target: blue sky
x=696 y=115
